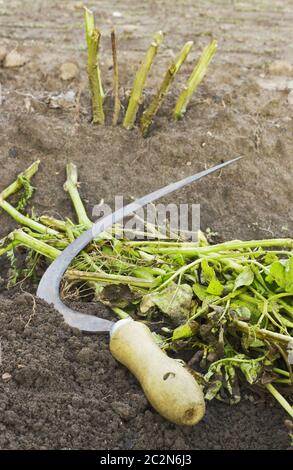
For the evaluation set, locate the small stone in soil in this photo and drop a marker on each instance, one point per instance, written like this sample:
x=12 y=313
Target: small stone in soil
x=14 y=59
x=63 y=100
x=289 y=424
x=123 y=410
x=68 y=71
x=6 y=376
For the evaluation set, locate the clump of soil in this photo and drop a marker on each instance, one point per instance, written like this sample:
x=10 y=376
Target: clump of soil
x=64 y=390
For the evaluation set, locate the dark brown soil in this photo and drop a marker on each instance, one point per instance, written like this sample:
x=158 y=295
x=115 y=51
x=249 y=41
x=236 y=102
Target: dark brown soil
x=66 y=391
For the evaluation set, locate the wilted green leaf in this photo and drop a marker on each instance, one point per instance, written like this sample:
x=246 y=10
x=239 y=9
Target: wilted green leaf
x=203 y=295
x=251 y=342
x=251 y=370
x=270 y=258
x=222 y=375
x=174 y=301
x=213 y=389
x=185 y=331
x=207 y=271
x=289 y=275
x=245 y=278
x=277 y=274
x=215 y=287
x=244 y=313
x=143 y=273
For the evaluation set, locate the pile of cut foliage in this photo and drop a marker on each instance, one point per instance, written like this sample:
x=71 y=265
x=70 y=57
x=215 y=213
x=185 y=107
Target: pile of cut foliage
x=229 y=304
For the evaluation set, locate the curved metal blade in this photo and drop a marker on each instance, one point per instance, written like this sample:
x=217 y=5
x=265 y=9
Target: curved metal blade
x=49 y=285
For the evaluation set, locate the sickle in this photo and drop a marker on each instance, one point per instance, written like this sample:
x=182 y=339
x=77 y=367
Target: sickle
x=169 y=387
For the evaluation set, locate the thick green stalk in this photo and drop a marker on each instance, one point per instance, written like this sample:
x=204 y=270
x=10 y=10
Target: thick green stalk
x=194 y=80
x=21 y=238
x=283 y=381
x=117 y=104
x=93 y=42
x=280 y=399
x=71 y=186
x=26 y=221
x=75 y=275
x=281 y=371
x=61 y=225
x=156 y=102
x=51 y=222
x=17 y=185
x=26 y=240
x=139 y=81
x=226 y=246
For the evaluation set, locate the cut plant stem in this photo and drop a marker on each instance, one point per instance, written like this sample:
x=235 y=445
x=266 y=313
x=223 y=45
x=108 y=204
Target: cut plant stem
x=156 y=102
x=262 y=333
x=117 y=104
x=139 y=81
x=26 y=221
x=194 y=80
x=93 y=36
x=17 y=185
x=277 y=395
x=195 y=250
x=281 y=371
x=71 y=186
x=51 y=222
x=26 y=240
x=75 y=275
x=8 y=247
x=121 y=313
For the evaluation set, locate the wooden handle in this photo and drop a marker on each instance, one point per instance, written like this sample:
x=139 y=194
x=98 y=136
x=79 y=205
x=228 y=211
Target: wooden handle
x=169 y=387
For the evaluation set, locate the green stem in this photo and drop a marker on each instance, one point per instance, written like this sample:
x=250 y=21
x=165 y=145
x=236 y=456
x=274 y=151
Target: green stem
x=61 y=225
x=235 y=360
x=93 y=42
x=282 y=381
x=37 y=245
x=17 y=185
x=194 y=80
x=280 y=399
x=8 y=247
x=179 y=272
x=156 y=102
x=262 y=333
x=26 y=221
x=71 y=186
x=117 y=104
x=226 y=246
x=51 y=222
x=121 y=313
x=281 y=371
x=139 y=81
x=75 y=275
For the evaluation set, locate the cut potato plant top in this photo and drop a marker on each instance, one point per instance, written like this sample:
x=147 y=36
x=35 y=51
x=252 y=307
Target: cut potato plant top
x=230 y=305
x=93 y=36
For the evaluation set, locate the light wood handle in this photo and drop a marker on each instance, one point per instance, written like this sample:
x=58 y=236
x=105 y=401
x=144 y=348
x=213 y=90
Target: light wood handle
x=169 y=387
